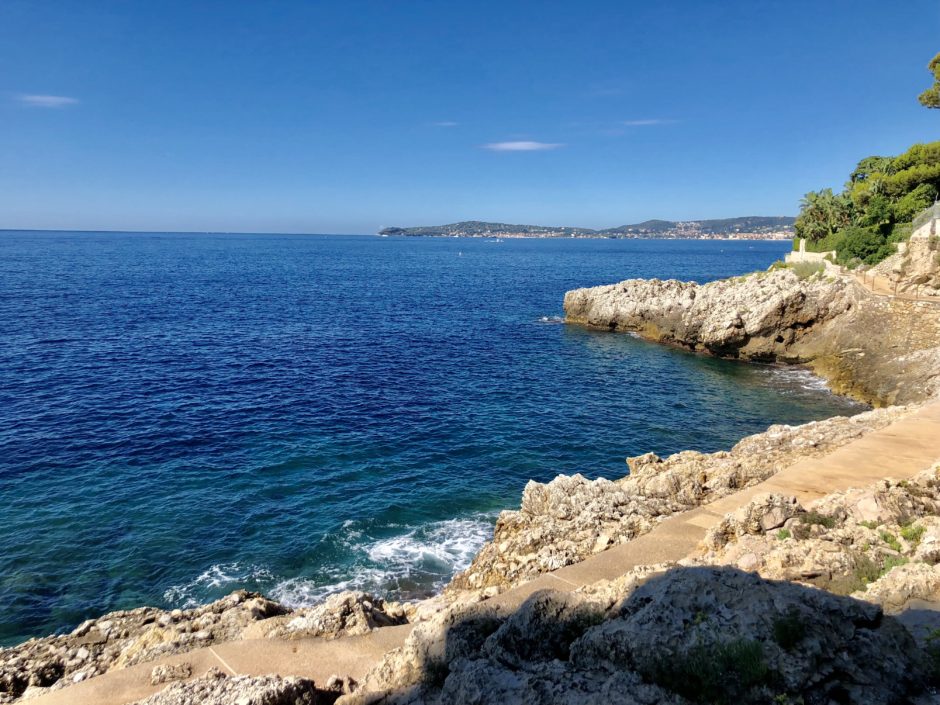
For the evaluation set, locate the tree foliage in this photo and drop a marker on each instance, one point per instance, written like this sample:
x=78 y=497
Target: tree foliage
x=930 y=98
x=874 y=210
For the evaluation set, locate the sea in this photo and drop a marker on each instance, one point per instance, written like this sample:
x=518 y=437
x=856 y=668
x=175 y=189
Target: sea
x=183 y=415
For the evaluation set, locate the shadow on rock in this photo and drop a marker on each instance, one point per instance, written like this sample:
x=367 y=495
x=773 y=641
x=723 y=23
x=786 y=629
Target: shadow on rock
x=687 y=635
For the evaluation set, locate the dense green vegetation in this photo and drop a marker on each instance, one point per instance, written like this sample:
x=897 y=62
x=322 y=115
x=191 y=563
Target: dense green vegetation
x=930 y=98
x=713 y=673
x=874 y=211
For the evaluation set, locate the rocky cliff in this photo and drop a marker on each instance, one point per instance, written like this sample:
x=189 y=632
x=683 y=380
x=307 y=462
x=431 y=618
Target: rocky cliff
x=760 y=317
x=570 y=518
x=743 y=619
x=881 y=350
x=916 y=267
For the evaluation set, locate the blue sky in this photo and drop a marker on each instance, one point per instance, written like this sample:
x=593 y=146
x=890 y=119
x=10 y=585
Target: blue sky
x=348 y=116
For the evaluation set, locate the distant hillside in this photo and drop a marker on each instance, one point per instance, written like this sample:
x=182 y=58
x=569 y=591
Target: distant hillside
x=723 y=226
x=477 y=228
x=755 y=226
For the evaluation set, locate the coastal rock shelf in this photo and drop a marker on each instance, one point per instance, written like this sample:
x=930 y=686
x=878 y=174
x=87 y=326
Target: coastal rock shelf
x=882 y=350
x=122 y=639
x=570 y=518
x=759 y=317
x=659 y=639
x=722 y=623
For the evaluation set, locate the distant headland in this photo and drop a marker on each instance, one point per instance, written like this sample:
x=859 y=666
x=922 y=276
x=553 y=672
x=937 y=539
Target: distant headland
x=744 y=228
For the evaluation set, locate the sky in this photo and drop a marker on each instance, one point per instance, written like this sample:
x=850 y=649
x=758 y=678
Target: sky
x=348 y=116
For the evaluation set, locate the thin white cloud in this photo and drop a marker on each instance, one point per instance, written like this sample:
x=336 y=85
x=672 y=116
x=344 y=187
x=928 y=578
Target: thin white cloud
x=521 y=146
x=445 y=123
x=46 y=101
x=646 y=122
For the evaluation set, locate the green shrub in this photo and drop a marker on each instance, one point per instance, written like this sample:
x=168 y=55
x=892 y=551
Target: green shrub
x=892 y=562
x=783 y=534
x=900 y=232
x=933 y=655
x=913 y=202
x=863 y=245
x=817 y=518
x=826 y=244
x=869 y=524
x=805 y=270
x=864 y=571
x=891 y=540
x=713 y=673
x=913 y=534
x=789 y=630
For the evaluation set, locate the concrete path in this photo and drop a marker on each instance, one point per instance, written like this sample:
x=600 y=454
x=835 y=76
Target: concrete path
x=879 y=285
x=901 y=450
x=311 y=658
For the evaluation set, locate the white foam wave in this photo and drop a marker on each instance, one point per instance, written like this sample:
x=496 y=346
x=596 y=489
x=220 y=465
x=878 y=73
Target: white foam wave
x=799 y=379
x=551 y=319
x=452 y=543
x=306 y=592
x=418 y=559
x=427 y=555
x=192 y=594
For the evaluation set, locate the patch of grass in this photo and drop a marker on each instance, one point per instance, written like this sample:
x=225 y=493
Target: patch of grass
x=784 y=534
x=817 y=518
x=784 y=699
x=713 y=673
x=789 y=630
x=864 y=571
x=913 y=534
x=892 y=562
x=891 y=540
x=805 y=270
x=585 y=620
x=869 y=524
x=932 y=651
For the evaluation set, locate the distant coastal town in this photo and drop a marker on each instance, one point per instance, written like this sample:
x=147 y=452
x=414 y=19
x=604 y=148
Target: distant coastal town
x=743 y=228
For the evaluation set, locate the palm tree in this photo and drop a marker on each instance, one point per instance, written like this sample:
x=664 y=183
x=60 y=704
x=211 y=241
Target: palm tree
x=823 y=213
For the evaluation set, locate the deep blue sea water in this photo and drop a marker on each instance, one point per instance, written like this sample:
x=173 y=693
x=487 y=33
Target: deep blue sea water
x=182 y=415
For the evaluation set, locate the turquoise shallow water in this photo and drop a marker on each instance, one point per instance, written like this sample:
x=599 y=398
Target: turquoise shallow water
x=182 y=415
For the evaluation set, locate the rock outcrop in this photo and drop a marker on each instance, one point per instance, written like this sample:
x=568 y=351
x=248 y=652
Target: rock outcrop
x=343 y=614
x=126 y=638
x=570 y=518
x=121 y=639
x=775 y=316
x=915 y=269
x=687 y=635
x=880 y=544
x=215 y=688
x=742 y=620
x=758 y=317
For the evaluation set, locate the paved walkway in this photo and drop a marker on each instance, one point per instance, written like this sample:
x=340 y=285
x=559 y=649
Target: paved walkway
x=882 y=286
x=900 y=450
